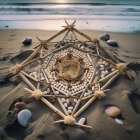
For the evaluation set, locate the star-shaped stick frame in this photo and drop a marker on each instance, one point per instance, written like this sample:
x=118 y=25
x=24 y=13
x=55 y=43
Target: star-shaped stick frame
x=76 y=89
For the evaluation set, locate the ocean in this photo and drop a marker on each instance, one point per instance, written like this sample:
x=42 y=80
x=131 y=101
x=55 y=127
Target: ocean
x=80 y=11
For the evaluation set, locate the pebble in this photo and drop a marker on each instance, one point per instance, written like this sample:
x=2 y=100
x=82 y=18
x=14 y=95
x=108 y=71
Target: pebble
x=105 y=37
x=85 y=94
x=113 y=70
x=82 y=121
x=111 y=66
x=69 y=111
x=65 y=104
x=48 y=90
x=113 y=111
x=42 y=78
x=89 y=91
x=45 y=92
x=101 y=66
x=118 y=121
x=93 y=88
x=23 y=117
x=75 y=100
x=31 y=74
x=106 y=71
x=63 y=100
x=27 y=41
x=112 y=43
x=106 y=64
x=96 y=73
x=96 y=85
x=20 y=105
x=67 y=101
x=103 y=73
x=108 y=68
x=73 y=104
x=57 y=92
x=101 y=69
x=102 y=76
x=70 y=108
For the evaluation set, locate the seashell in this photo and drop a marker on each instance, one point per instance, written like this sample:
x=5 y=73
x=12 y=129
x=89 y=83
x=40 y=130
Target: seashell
x=23 y=117
x=57 y=92
x=42 y=78
x=63 y=100
x=106 y=71
x=118 y=121
x=48 y=90
x=96 y=85
x=70 y=108
x=108 y=68
x=106 y=64
x=102 y=76
x=65 y=104
x=113 y=111
x=93 y=88
x=113 y=70
x=67 y=101
x=73 y=104
x=20 y=105
x=69 y=111
x=75 y=100
x=82 y=121
x=45 y=92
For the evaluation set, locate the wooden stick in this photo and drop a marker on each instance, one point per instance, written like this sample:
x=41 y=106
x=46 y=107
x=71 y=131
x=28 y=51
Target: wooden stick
x=28 y=90
x=31 y=77
x=45 y=75
x=38 y=84
x=47 y=55
x=41 y=54
x=60 y=121
x=77 y=92
x=106 y=60
x=97 y=49
x=31 y=56
x=84 y=107
x=85 y=126
x=87 y=97
x=54 y=36
x=65 y=35
x=110 y=81
x=107 y=53
x=127 y=74
x=60 y=102
x=92 y=54
x=105 y=78
x=27 y=81
x=60 y=91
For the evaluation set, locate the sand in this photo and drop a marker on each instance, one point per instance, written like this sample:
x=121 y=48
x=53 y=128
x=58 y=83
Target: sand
x=124 y=94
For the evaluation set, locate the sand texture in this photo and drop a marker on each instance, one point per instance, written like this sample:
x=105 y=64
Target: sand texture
x=124 y=94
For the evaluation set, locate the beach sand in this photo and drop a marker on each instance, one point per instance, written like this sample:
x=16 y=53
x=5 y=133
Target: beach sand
x=124 y=94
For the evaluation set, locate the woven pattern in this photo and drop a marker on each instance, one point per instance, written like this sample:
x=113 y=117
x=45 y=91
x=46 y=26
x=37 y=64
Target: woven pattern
x=69 y=69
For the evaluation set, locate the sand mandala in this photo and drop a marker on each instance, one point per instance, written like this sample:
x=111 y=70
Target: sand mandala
x=70 y=73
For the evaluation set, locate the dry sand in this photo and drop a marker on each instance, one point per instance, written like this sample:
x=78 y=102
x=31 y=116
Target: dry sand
x=124 y=94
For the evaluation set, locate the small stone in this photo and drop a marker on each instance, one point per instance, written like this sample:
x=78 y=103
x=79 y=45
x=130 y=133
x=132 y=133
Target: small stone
x=96 y=85
x=106 y=64
x=42 y=78
x=102 y=76
x=113 y=111
x=75 y=100
x=105 y=37
x=78 y=95
x=89 y=91
x=69 y=111
x=70 y=108
x=45 y=92
x=101 y=69
x=113 y=70
x=20 y=105
x=82 y=121
x=112 y=42
x=103 y=73
x=27 y=41
x=63 y=100
x=73 y=104
x=111 y=66
x=118 y=121
x=57 y=92
x=93 y=88
x=85 y=94
x=67 y=101
x=106 y=71
x=48 y=91
x=108 y=68
x=65 y=104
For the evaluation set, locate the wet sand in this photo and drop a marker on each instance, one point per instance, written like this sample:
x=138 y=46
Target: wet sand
x=124 y=93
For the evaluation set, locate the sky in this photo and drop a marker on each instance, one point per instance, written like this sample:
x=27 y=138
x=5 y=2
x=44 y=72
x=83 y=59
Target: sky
x=70 y=1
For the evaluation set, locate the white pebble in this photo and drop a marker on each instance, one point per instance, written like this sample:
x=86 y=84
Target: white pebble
x=45 y=92
x=57 y=92
x=82 y=121
x=69 y=111
x=103 y=73
x=85 y=94
x=48 y=90
x=65 y=104
x=89 y=91
x=101 y=69
x=70 y=108
x=42 y=78
x=63 y=100
x=106 y=71
x=93 y=88
x=31 y=74
x=102 y=76
x=96 y=85
x=118 y=121
x=75 y=100
x=101 y=66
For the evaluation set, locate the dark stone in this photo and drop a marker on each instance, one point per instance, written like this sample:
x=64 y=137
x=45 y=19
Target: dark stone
x=112 y=42
x=105 y=37
x=108 y=68
x=62 y=44
x=27 y=41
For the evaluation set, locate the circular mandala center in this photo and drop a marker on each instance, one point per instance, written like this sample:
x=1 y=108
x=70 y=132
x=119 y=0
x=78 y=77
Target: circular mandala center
x=69 y=69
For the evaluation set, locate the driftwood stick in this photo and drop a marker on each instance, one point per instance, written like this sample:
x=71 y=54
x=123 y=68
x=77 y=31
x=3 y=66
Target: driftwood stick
x=92 y=54
x=107 y=53
x=60 y=121
x=110 y=81
x=85 y=126
x=106 y=60
x=57 y=34
x=127 y=74
x=47 y=55
x=28 y=90
x=45 y=75
x=49 y=60
x=31 y=77
x=87 y=97
x=84 y=107
x=97 y=49
x=60 y=102
x=65 y=35
x=27 y=81
x=38 y=84
x=77 y=92
x=60 y=91
x=41 y=54
x=31 y=56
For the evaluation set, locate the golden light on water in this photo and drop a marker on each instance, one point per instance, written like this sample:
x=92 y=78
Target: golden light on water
x=61 y=1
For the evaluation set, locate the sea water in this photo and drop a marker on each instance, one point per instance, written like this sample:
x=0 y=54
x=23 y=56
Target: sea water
x=120 y=17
